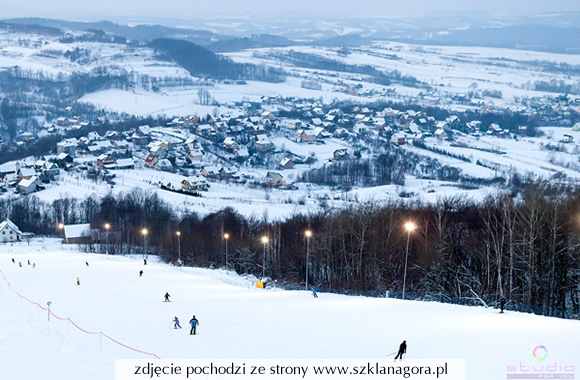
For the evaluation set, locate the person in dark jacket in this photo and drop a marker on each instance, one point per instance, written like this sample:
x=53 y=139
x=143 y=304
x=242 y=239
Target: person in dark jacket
x=501 y=304
x=140 y=273
x=167 y=297
x=402 y=350
x=193 y=322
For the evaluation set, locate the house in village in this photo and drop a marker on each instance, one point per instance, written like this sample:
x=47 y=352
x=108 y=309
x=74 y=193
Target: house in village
x=306 y=135
x=566 y=139
x=105 y=161
x=194 y=183
x=151 y=161
x=125 y=163
x=195 y=156
x=440 y=134
x=26 y=173
x=273 y=179
x=230 y=144
x=68 y=146
x=286 y=163
x=141 y=135
x=64 y=160
x=28 y=185
x=210 y=171
x=9 y=232
x=398 y=138
x=263 y=144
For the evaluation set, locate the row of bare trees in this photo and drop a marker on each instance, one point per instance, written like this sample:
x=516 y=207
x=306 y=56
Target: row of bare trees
x=525 y=249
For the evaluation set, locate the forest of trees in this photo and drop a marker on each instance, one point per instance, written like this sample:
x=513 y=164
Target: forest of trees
x=525 y=249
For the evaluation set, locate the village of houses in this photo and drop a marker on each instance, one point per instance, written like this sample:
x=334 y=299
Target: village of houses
x=226 y=148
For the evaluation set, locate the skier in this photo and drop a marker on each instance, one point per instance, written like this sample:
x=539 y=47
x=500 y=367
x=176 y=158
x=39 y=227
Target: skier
x=501 y=304
x=167 y=297
x=78 y=281
x=28 y=262
x=314 y=293
x=176 y=323
x=140 y=273
x=20 y=264
x=33 y=265
x=193 y=322
x=86 y=262
x=402 y=350
x=13 y=260
x=144 y=261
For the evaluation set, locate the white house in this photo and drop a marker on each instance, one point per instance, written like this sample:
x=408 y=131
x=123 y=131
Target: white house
x=9 y=232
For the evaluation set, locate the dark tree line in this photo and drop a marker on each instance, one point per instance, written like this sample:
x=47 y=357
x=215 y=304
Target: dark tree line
x=525 y=249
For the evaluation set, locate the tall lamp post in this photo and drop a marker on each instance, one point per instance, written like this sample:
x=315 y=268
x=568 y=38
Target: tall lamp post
x=409 y=226
x=308 y=234
x=226 y=237
x=107 y=226
x=265 y=241
x=144 y=232
x=61 y=228
x=178 y=233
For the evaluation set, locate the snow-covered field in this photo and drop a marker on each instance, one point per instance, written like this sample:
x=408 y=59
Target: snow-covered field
x=237 y=321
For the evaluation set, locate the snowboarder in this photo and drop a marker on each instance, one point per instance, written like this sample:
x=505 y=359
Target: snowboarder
x=144 y=261
x=167 y=297
x=402 y=350
x=501 y=304
x=140 y=273
x=176 y=323
x=193 y=322
x=78 y=281
x=314 y=293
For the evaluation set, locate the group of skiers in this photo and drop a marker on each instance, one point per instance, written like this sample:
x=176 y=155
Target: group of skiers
x=20 y=263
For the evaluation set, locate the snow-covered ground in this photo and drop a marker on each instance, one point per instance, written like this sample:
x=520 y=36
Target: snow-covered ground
x=237 y=321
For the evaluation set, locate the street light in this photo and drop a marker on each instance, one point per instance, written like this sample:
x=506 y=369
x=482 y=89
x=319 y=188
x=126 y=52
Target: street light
x=226 y=236
x=409 y=226
x=144 y=232
x=107 y=226
x=265 y=241
x=178 y=233
x=61 y=228
x=308 y=234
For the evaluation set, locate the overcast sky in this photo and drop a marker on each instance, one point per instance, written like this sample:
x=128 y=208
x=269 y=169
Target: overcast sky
x=191 y=9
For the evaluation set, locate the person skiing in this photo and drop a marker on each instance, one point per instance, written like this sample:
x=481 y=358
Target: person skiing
x=193 y=322
x=28 y=262
x=78 y=281
x=144 y=261
x=402 y=350
x=20 y=264
x=176 y=323
x=167 y=297
x=33 y=265
x=13 y=260
x=501 y=304
x=140 y=273
x=86 y=262
x=314 y=293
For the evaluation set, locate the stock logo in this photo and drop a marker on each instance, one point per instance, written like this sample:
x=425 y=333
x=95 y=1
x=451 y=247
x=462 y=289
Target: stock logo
x=540 y=353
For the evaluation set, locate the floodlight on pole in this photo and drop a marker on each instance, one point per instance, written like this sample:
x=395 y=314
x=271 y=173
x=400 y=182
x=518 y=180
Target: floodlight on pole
x=409 y=226
x=144 y=232
x=107 y=226
x=226 y=237
x=264 y=241
x=308 y=234
x=178 y=233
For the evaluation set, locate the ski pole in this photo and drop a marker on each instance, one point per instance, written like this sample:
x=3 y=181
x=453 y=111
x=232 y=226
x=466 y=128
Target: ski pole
x=391 y=354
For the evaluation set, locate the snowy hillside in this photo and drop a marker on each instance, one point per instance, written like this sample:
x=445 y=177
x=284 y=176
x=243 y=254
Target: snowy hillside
x=236 y=320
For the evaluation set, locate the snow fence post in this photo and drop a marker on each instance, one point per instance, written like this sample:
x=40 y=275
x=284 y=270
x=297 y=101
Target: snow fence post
x=48 y=304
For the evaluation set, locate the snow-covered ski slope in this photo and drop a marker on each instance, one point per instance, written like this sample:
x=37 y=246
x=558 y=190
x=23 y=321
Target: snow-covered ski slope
x=237 y=321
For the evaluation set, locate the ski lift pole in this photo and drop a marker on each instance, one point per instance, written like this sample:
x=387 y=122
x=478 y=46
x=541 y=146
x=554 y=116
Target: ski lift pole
x=48 y=304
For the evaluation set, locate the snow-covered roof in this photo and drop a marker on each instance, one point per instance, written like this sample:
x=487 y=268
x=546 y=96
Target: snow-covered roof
x=10 y=224
x=72 y=231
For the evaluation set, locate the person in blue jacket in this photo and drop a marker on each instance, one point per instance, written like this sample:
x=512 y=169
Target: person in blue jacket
x=314 y=293
x=176 y=323
x=193 y=322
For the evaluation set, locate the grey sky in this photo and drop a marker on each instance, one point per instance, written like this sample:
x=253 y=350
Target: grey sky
x=192 y=9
